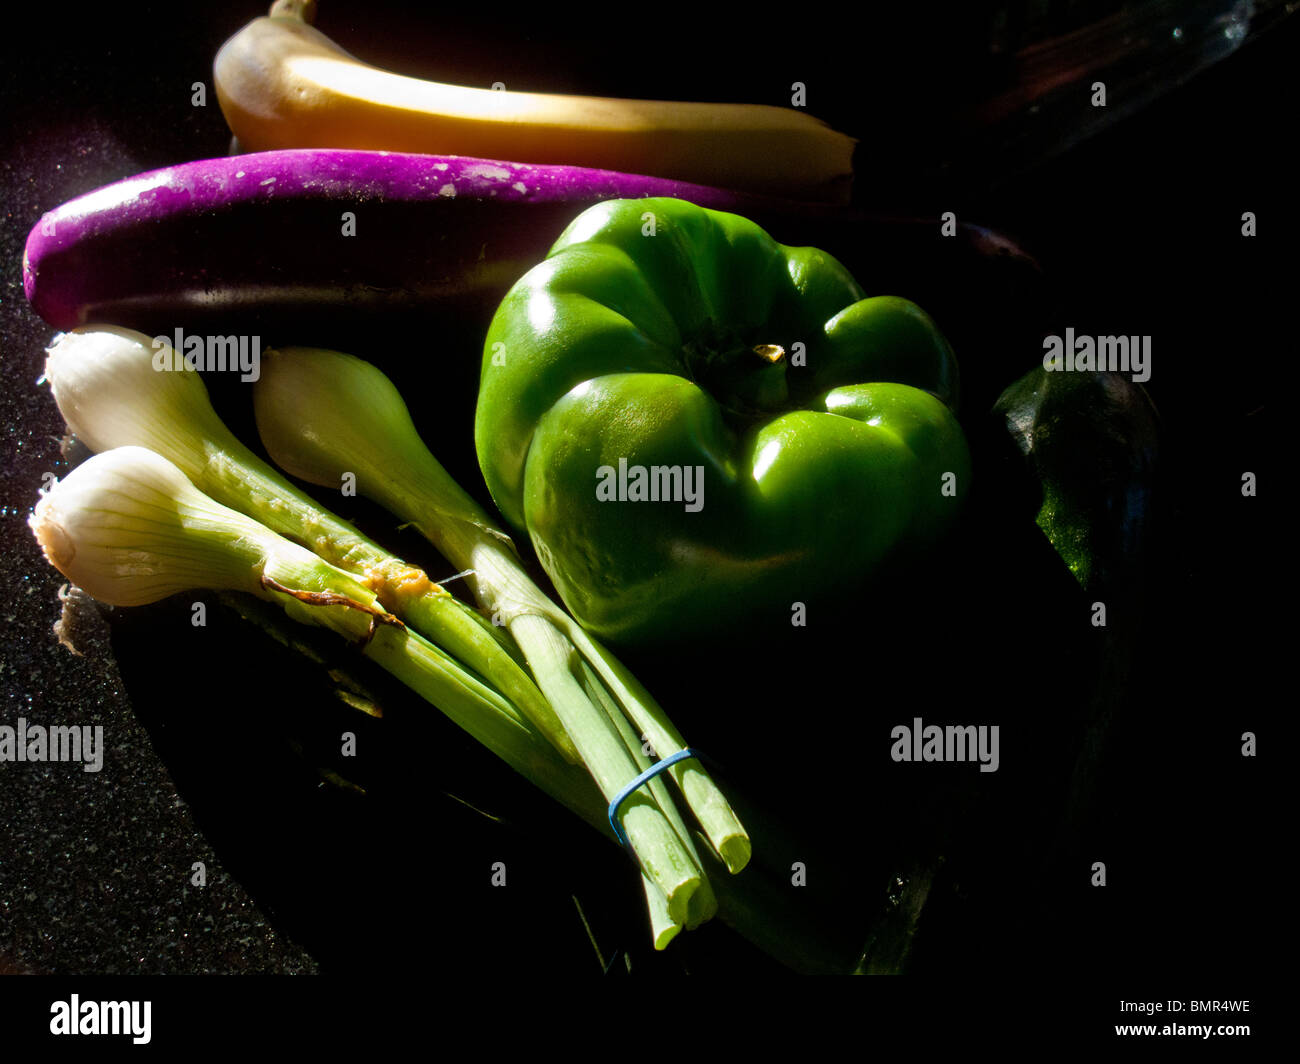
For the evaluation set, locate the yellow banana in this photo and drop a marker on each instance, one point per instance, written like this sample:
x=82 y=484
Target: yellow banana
x=283 y=84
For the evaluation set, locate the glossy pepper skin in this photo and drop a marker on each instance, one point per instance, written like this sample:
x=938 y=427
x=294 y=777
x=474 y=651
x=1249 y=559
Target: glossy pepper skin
x=810 y=428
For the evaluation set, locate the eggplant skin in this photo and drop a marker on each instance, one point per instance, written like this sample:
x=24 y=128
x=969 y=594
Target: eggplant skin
x=306 y=236
x=254 y=244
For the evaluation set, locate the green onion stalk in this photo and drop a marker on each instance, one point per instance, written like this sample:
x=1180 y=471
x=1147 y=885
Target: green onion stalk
x=128 y=528
x=322 y=414
x=116 y=389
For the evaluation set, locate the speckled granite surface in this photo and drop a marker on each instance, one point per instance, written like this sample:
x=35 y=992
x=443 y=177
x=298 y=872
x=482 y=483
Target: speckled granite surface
x=94 y=867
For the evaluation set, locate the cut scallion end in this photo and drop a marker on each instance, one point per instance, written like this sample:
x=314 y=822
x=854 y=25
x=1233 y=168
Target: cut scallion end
x=663 y=928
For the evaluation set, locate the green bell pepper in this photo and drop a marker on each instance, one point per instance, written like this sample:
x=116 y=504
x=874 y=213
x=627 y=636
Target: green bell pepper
x=694 y=423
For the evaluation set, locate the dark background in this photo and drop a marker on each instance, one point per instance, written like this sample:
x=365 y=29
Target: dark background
x=1137 y=229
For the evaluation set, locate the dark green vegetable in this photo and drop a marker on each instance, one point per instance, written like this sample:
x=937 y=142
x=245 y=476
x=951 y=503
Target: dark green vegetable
x=695 y=423
x=1091 y=440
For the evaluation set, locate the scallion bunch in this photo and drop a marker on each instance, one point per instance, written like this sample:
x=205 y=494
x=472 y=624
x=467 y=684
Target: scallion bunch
x=131 y=529
x=322 y=414
x=128 y=528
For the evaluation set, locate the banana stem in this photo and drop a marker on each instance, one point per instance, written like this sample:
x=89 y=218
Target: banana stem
x=301 y=9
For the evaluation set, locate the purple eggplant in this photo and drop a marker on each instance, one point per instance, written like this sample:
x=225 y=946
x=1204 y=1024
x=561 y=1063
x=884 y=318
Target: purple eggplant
x=381 y=253
x=290 y=238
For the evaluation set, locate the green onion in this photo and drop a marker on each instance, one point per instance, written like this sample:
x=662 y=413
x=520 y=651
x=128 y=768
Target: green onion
x=111 y=394
x=129 y=528
x=322 y=414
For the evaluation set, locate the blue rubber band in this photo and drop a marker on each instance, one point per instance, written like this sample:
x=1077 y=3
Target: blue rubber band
x=645 y=777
